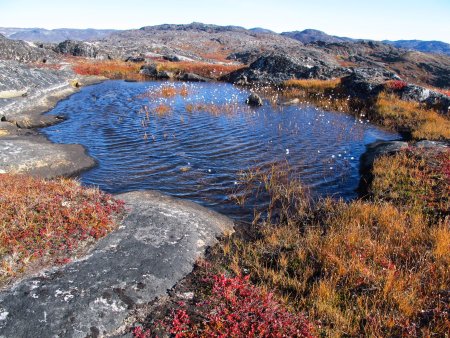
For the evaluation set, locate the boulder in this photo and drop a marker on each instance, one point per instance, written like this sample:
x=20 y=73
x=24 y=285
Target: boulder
x=164 y=75
x=254 y=100
x=172 y=58
x=136 y=59
x=76 y=48
x=176 y=58
x=377 y=149
x=367 y=83
x=192 y=78
x=431 y=98
x=149 y=69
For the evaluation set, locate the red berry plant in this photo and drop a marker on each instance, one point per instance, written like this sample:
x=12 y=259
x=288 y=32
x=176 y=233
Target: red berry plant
x=49 y=220
x=235 y=308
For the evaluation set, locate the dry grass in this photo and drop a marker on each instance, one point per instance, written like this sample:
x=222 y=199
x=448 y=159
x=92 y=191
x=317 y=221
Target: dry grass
x=388 y=109
x=209 y=70
x=357 y=269
x=416 y=178
x=48 y=221
x=166 y=91
x=312 y=85
x=112 y=69
x=162 y=109
x=326 y=94
x=217 y=109
x=422 y=123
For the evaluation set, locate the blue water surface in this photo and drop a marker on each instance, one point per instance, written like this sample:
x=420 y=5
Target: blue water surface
x=196 y=152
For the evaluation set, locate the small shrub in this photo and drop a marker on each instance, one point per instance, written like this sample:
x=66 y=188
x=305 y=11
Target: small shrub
x=236 y=308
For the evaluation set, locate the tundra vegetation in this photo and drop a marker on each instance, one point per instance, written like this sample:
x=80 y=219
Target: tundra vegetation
x=386 y=109
x=378 y=266
x=44 y=222
x=373 y=267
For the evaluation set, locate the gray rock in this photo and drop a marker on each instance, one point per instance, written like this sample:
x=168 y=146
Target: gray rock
x=44 y=88
x=254 y=100
x=367 y=83
x=136 y=59
x=275 y=68
x=427 y=96
x=36 y=121
x=164 y=75
x=192 y=78
x=172 y=58
x=426 y=144
x=36 y=156
x=377 y=149
x=7 y=128
x=77 y=48
x=23 y=51
x=149 y=70
x=156 y=245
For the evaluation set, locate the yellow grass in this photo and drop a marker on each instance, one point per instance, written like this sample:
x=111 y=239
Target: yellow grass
x=372 y=269
x=312 y=84
x=421 y=122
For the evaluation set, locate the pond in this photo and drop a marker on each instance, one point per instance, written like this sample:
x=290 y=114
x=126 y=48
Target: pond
x=192 y=140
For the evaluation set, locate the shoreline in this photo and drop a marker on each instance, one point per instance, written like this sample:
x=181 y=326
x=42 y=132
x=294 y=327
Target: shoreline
x=28 y=151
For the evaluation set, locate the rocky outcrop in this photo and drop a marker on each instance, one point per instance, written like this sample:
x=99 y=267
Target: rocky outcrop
x=274 y=68
x=367 y=83
x=23 y=51
x=154 y=247
x=36 y=156
x=39 y=88
x=431 y=98
x=77 y=48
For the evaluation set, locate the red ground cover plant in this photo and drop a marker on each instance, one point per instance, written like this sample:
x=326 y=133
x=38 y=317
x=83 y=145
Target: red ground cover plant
x=395 y=85
x=49 y=220
x=444 y=91
x=235 y=308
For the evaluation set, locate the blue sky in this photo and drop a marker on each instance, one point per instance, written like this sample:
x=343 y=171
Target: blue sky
x=375 y=19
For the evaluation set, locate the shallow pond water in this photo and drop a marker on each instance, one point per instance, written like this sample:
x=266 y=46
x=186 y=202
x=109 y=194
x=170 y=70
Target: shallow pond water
x=191 y=140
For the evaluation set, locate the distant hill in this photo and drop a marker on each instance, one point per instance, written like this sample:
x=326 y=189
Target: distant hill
x=438 y=47
x=55 y=35
x=313 y=35
x=261 y=30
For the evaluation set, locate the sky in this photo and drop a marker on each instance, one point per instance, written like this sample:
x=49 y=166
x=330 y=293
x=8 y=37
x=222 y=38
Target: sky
x=374 y=19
